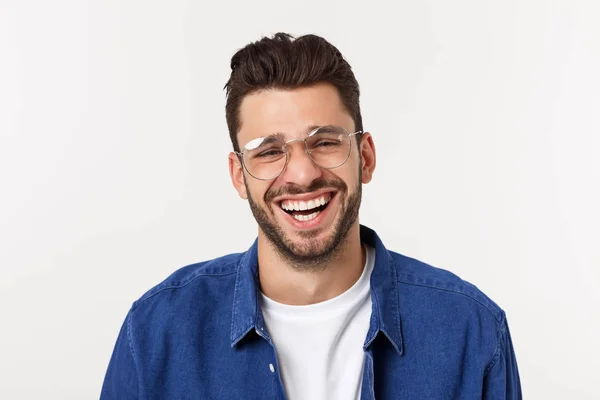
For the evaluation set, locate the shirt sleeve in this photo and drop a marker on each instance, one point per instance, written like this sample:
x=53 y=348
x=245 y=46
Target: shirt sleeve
x=121 y=380
x=501 y=379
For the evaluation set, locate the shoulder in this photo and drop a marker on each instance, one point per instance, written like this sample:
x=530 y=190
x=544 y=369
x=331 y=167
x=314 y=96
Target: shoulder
x=185 y=281
x=443 y=287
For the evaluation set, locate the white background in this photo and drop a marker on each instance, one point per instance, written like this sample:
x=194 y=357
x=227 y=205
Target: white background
x=113 y=164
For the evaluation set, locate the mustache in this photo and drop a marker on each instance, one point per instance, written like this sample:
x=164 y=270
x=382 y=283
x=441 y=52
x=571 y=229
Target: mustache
x=293 y=189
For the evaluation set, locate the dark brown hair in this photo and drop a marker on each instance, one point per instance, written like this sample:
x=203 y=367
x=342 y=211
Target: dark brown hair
x=285 y=62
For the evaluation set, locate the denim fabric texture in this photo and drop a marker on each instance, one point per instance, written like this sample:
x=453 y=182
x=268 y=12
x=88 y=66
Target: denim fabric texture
x=200 y=334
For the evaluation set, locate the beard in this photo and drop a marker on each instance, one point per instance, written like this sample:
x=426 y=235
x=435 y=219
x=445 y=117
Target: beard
x=310 y=253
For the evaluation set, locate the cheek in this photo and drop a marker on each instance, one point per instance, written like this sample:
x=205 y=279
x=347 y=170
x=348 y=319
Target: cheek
x=257 y=190
x=350 y=175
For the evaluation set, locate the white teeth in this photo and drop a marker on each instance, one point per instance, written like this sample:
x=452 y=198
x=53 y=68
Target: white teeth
x=307 y=217
x=300 y=205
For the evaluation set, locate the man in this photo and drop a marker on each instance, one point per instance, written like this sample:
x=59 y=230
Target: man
x=317 y=308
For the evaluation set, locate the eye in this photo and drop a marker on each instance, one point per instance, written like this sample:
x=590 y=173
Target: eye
x=327 y=143
x=269 y=153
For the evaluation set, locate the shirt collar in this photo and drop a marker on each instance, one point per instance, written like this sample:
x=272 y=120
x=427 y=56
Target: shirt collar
x=385 y=317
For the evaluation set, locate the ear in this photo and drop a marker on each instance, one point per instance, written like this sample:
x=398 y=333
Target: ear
x=368 y=156
x=236 y=171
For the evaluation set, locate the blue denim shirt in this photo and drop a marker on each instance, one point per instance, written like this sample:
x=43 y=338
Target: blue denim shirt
x=200 y=334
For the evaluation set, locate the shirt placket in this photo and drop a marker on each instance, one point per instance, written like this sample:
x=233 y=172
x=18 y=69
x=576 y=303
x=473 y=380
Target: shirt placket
x=274 y=362
x=367 y=387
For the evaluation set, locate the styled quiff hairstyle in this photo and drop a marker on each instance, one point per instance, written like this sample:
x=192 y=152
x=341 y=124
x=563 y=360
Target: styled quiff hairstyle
x=285 y=62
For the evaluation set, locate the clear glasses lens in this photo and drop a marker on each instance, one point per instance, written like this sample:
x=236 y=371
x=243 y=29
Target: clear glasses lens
x=265 y=158
x=328 y=147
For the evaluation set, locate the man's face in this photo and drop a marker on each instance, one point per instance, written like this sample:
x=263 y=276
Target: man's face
x=300 y=236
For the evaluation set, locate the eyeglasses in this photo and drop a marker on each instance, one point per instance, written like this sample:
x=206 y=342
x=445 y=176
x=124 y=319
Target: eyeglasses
x=328 y=147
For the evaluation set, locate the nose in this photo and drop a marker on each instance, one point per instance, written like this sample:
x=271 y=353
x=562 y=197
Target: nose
x=300 y=168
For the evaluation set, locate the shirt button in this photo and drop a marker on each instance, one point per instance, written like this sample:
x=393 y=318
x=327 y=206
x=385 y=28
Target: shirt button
x=271 y=367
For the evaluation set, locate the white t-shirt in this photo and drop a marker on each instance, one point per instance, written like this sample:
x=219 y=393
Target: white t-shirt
x=320 y=346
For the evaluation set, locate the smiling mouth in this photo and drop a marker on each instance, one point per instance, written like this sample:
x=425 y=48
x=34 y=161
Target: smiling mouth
x=306 y=210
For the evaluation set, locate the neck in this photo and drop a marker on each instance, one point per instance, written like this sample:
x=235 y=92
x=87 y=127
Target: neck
x=283 y=281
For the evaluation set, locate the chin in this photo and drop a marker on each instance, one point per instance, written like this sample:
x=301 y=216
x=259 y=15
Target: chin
x=310 y=243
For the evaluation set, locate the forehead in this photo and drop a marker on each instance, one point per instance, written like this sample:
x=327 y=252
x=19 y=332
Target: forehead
x=291 y=112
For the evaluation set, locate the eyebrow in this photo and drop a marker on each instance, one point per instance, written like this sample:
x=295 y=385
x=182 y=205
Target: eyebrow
x=282 y=136
x=273 y=137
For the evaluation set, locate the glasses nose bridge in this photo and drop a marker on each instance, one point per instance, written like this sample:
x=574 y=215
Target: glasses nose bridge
x=306 y=150
x=297 y=140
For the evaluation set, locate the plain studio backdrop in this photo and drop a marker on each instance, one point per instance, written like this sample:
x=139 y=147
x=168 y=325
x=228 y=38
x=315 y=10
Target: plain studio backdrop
x=113 y=164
